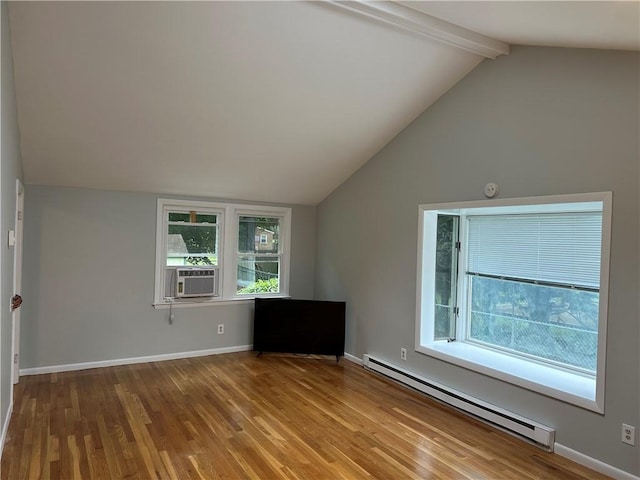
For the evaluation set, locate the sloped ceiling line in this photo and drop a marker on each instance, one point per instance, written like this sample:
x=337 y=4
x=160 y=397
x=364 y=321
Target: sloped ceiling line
x=421 y=23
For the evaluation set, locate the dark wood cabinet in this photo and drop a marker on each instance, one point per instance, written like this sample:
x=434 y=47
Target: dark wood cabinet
x=299 y=326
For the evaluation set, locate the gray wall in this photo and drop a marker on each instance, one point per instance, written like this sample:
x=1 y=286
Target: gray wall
x=89 y=276
x=540 y=121
x=11 y=169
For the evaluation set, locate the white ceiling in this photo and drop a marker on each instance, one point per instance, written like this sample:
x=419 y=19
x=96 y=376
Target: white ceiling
x=587 y=24
x=262 y=101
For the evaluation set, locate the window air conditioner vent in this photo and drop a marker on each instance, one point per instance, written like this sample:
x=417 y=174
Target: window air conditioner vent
x=197 y=282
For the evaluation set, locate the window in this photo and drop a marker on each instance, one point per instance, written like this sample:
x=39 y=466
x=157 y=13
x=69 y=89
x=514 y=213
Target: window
x=192 y=238
x=248 y=245
x=259 y=255
x=517 y=289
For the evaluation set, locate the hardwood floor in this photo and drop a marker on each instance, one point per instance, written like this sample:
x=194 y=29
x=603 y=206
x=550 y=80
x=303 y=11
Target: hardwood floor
x=236 y=416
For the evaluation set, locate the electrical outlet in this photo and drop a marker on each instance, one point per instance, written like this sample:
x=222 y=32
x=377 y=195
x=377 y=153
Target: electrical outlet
x=628 y=434
x=403 y=354
x=220 y=328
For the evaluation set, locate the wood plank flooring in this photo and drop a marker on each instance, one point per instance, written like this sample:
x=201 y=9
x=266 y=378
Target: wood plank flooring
x=236 y=416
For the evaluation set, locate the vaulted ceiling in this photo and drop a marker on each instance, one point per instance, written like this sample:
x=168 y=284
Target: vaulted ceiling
x=262 y=101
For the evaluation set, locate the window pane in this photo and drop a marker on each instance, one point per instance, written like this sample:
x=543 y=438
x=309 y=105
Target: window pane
x=556 y=324
x=258 y=235
x=192 y=245
x=258 y=274
x=192 y=217
x=205 y=218
x=178 y=217
x=445 y=277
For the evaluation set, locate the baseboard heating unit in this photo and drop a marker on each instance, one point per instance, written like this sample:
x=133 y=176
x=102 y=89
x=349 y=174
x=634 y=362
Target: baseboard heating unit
x=533 y=432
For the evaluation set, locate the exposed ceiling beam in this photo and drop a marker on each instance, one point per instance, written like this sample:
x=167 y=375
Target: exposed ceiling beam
x=417 y=22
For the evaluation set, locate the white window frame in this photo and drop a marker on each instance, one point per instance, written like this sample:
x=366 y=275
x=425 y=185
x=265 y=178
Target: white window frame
x=228 y=215
x=283 y=247
x=563 y=384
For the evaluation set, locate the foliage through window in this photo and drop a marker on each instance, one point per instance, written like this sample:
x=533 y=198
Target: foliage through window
x=556 y=324
x=533 y=284
x=445 y=277
x=519 y=278
x=192 y=239
x=247 y=246
x=258 y=255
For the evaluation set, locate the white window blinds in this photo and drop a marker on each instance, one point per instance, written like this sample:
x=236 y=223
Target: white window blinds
x=561 y=248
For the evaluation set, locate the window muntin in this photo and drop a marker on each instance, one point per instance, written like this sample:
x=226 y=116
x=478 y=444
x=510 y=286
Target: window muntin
x=570 y=364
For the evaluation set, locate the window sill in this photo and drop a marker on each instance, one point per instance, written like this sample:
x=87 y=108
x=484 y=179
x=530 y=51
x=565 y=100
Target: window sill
x=563 y=385
x=207 y=302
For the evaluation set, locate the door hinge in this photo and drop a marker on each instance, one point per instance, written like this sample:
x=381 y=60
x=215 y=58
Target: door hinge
x=458 y=246
x=456 y=311
x=15 y=358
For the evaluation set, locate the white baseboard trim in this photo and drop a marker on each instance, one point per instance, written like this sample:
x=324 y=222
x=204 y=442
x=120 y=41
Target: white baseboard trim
x=129 y=361
x=5 y=426
x=592 y=463
x=352 y=358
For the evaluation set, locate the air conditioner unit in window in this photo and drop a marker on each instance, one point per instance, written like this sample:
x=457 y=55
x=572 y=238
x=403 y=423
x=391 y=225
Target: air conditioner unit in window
x=197 y=282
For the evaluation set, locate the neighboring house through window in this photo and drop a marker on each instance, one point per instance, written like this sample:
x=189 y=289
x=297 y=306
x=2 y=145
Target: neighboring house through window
x=247 y=246
x=259 y=254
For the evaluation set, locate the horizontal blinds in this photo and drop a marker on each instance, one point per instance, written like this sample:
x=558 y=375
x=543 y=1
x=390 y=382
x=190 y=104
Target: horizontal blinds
x=560 y=248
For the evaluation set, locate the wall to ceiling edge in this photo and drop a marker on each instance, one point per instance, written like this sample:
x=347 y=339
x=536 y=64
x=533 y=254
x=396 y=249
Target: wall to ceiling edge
x=540 y=121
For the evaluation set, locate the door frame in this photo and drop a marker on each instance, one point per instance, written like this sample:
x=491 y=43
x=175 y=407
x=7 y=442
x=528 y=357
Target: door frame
x=17 y=283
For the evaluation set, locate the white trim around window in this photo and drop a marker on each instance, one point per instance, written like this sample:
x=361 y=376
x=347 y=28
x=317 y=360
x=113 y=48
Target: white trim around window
x=227 y=250
x=584 y=389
